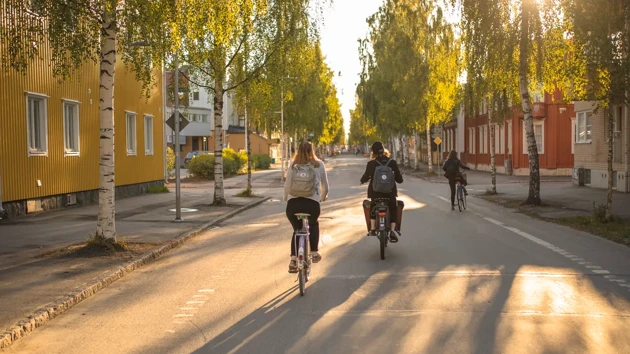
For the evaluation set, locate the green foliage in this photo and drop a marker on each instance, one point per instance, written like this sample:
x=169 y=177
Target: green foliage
x=158 y=189
x=261 y=162
x=202 y=166
x=170 y=159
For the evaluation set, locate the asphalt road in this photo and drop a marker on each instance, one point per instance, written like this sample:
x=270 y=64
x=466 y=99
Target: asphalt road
x=481 y=281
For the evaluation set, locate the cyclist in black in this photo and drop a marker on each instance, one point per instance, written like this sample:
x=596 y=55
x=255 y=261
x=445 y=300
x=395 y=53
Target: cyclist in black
x=451 y=171
x=379 y=153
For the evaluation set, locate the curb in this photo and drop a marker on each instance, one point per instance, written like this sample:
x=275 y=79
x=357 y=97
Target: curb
x=63 y=304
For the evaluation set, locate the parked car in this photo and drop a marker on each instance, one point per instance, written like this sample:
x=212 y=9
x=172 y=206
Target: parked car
x=192 y=155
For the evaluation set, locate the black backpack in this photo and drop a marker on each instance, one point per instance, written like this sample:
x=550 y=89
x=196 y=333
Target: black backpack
x=383 y=181
x=451 y=168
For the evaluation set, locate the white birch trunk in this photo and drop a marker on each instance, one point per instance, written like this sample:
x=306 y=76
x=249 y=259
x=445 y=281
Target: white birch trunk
x=249 y=152
x=106 y=223
x=429 y=154
x=534 y=166
x=407 y=157
x=416 y=149
x=219 y=195
x=493 y=165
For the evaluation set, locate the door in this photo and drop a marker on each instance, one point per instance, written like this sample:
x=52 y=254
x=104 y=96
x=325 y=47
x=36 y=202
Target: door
x=195 y=144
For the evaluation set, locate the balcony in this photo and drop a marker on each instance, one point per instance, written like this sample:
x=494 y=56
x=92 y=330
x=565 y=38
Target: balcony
x=539 y=110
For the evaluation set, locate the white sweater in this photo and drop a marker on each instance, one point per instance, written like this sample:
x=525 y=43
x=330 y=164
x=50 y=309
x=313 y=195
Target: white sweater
x=320 y=192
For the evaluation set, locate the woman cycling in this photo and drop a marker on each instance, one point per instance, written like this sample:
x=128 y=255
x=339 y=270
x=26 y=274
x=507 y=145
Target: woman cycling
x=380 y=156
x=304 y=195
x=451 y=171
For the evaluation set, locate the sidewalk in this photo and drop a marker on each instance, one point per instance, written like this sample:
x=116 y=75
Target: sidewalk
x=43 y=272
x=482 y=178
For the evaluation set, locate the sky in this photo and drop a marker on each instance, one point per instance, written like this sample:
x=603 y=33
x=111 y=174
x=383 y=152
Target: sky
x=344 y=24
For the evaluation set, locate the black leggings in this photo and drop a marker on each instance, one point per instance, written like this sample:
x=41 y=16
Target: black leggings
x=452 y=182
x=308 y=206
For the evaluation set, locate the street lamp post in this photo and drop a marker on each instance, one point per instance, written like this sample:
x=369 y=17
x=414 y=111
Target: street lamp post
x=178 y=206
x=178 y=195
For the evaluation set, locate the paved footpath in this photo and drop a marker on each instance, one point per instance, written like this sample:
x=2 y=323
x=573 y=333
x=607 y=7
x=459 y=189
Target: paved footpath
x=38 y=281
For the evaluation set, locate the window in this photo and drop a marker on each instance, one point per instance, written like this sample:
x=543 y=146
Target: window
x=205 y=118
x=71 y=128
x=37 y=125
x=131 y=133
x=471 y=140
x=483 y=139
x=584 y=126
x=148 y=135
x=539 y=135
x=195 y=95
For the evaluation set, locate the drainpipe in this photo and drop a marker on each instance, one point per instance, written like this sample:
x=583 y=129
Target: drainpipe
x=164 y=118
x=627 y=132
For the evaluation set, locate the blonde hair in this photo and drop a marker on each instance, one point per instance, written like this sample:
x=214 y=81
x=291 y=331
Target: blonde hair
x=305 y=154
x=385 y=153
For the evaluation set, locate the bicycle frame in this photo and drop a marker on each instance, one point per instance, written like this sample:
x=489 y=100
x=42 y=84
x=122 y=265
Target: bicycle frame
x=302 y=244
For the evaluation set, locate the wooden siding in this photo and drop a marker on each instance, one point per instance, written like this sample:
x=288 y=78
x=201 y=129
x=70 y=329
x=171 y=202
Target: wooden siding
x=58 y=173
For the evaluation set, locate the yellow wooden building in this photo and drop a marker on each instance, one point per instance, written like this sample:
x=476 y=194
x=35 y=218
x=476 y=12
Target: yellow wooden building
x=49 y=137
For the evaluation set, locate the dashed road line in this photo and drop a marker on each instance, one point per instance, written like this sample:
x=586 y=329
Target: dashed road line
x=594 y=269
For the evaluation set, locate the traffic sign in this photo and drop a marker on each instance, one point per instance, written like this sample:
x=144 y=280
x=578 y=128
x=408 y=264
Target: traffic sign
x=183 y=122
x=437 y=141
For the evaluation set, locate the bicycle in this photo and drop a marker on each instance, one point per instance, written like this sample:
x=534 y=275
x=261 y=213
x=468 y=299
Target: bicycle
x=382 y=223
x=459 y=194
x=304 y=258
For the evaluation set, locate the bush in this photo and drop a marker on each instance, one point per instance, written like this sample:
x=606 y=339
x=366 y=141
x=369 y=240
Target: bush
x=170 y=159
x=242 y=159
x=202 y=166
x=158 y=189
x=261 y=162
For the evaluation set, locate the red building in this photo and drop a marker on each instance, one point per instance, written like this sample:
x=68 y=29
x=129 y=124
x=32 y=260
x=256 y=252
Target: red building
x=553 y=128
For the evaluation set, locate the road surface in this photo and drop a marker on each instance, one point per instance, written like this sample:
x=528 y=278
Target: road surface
x=482 y=281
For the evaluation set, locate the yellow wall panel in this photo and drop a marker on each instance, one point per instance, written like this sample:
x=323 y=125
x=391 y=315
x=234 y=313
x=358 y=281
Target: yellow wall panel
x=60 y=174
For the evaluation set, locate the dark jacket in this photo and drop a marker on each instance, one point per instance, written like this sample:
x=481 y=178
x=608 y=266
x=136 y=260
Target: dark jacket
x=369 y=175
x=458 y=163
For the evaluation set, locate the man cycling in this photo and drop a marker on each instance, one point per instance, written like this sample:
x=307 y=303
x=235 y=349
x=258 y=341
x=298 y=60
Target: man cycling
x=451 y=171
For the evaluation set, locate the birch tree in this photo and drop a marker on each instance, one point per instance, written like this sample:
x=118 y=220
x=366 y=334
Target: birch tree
x=599 y=65
x=75 y=33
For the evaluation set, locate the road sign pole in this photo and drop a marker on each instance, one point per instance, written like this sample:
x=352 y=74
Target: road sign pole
x=178 y=199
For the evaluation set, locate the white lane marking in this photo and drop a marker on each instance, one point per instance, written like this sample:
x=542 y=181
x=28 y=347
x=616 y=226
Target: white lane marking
x=179 y=322
x=600 y=271
x=579 y=260
x=206 y=291
x=194 y=302
x=496 y=222
x=189 y=308
x=200 y=296
x=184 y=315
x=170 y=331
x=444 y=199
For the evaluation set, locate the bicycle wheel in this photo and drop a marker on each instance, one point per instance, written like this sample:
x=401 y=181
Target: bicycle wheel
x=383 y=239
x=302 y=280
x=459 y=197
x=464 y=201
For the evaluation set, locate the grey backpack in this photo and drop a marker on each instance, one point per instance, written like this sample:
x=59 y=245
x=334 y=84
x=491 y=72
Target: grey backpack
x=383 y=181
x=302 y=180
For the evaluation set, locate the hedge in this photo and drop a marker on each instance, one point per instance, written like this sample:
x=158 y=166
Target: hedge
x=233 y=163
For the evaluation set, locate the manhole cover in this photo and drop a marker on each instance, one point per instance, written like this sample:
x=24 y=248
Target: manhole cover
x=273 y=200
x=185 y=210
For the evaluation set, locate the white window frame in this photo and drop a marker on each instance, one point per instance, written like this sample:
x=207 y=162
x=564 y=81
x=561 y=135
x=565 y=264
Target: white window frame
x=131 y=133
x=148 y=135
x=486 y=135
x=541 y=148
x=573 y=134
x=472 y=140
x=43 y=108
x=583 y=117
x=68 y=151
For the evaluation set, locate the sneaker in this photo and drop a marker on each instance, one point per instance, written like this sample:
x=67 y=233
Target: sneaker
x=316 y=257
x=293 y=265
x=452 y=207
x=393 y=236
x=372 y=233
